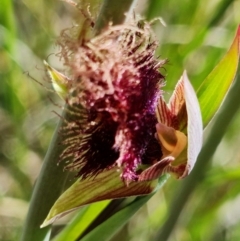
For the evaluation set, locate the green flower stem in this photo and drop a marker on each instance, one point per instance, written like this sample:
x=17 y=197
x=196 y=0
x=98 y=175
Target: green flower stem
x=113 y=11
x=47 y=188
x=52 y=178
x=219 y=127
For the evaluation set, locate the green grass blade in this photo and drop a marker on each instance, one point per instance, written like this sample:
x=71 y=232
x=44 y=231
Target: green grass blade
x=7 y=21
x=214 y=88
x=81 y=221
x=48 y=187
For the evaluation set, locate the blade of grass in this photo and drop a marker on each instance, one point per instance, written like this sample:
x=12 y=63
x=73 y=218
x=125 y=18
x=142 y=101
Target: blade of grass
x=81 y=222
x=106 y=230
x=7 y=21
x=214 y=88
x=113 y=207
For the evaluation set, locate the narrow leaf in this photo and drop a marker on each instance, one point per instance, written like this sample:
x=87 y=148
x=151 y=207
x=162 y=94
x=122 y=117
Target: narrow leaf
x=81 y=221
x=214 y=88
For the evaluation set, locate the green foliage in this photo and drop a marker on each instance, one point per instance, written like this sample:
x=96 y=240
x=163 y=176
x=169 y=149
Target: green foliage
x=81 y=221
x=213 y=89
x=197 y=35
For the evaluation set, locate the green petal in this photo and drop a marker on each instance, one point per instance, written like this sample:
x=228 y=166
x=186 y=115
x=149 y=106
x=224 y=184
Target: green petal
x=106 y=185
x=214 y=88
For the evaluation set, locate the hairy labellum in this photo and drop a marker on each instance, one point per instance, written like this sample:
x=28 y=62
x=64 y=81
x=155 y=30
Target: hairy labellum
x=114 y=91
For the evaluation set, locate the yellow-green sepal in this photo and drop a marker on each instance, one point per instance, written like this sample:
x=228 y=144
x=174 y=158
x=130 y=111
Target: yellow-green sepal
x=106 y=185
x=60 y=82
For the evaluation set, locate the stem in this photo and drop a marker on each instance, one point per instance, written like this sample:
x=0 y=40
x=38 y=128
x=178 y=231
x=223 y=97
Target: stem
x=113 y=11
x=47 y=189
x=223 y=119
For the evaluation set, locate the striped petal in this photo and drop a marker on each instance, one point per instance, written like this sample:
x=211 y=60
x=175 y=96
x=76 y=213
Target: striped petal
x=106 y=185
x=179 y=133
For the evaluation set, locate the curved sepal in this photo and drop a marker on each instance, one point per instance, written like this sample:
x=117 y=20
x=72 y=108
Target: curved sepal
x=60 y=82
x=106 y=185
x=194 y=125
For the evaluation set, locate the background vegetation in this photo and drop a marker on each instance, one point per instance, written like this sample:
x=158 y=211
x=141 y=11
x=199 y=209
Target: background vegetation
x=197 y=35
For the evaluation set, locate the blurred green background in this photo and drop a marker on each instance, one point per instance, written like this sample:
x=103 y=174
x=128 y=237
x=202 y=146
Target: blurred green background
x=196 y=36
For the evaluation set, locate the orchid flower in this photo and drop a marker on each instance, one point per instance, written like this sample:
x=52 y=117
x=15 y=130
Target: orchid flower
x=120 y=135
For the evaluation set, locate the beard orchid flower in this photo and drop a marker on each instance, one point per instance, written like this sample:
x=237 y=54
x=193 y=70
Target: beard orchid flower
x=120 y=135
